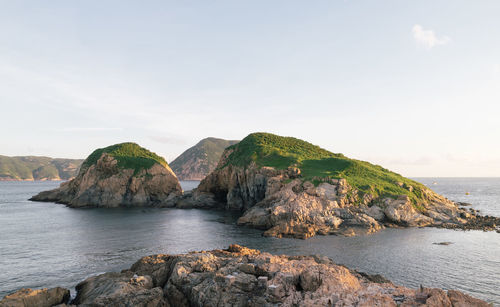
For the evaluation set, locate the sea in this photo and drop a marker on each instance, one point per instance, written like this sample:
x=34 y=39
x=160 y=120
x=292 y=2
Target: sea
x=47 y=244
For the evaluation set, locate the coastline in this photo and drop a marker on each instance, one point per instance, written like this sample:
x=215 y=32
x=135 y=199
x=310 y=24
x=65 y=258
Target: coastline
x=384 y=271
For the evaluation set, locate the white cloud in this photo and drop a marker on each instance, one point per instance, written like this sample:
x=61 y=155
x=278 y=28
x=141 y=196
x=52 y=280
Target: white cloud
x=427 y=38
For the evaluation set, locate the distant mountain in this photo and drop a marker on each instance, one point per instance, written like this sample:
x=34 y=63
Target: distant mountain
x=201 y=159
x=37 y=168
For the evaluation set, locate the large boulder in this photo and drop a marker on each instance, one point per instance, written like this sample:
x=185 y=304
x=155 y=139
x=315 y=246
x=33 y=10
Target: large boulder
x=401 y=211
x=119 y=175
x=119 y=289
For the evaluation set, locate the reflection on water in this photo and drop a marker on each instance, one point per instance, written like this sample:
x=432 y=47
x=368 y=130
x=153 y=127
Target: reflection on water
x=45 y=244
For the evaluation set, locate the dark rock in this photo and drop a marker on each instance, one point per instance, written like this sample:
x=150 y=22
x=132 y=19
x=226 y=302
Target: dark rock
x=442 y=243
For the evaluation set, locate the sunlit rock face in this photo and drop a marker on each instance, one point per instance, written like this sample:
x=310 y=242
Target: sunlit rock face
x=291 y=188
x=239 y=276
x=135 y=177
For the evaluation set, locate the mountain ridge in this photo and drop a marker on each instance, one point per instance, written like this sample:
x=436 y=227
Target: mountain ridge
x=198 y=161
x=29 y=168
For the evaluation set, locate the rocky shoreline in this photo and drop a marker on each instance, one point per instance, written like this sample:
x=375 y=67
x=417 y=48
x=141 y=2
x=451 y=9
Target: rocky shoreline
x=282 y=204
x=239 y=276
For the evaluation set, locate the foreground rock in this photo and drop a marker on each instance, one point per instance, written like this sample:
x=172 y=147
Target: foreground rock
x=39 y=298
x=119 y=289
x=240 y=276
x=119 y=175
x=288 y=202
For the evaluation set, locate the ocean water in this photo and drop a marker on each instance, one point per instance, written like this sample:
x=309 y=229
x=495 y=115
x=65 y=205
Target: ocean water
x=47 y=244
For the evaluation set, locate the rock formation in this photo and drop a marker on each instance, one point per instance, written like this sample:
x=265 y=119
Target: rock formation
x=200 y=160
x=291 y=188
x=119 y=175
x=239 y=276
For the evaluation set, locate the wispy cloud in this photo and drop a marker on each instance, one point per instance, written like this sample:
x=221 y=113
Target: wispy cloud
x=427 y=38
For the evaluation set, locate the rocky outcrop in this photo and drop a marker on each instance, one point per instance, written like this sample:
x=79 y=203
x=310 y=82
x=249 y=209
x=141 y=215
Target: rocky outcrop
x=301 y=210
x=38 y=298
x=106 y=184
x=238 y=188
x=239 y=276
x=119 y=289
x=291 y=188
x=285 y=205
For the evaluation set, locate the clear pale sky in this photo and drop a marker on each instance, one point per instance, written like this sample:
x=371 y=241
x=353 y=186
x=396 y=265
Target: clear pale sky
x=411 y=85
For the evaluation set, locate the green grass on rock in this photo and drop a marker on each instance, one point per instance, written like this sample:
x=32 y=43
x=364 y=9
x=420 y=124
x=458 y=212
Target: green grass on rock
x=267 y=149
x=128 y=155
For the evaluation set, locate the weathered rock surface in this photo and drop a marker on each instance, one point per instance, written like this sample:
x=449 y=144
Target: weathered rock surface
x=309 y=197
x=38 y=298
x=119 y=289
x=240 y=276
x=104 y=184
x=282 y=204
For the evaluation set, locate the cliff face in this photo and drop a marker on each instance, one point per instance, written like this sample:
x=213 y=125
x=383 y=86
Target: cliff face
x=106 y=183
x=287 y=203
x=279 y=202
x=198 y=161
x=239 y=276
x=37 y=168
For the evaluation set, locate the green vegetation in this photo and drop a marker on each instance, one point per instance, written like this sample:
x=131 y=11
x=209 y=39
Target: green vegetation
x=37 y=168
x=267 y=149
x=201 y=158
x=128 y=155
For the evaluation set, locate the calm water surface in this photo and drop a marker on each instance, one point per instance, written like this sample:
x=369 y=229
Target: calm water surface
x=46 y=244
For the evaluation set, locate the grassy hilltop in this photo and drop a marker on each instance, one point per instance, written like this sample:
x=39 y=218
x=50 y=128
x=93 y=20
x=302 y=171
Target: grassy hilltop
x=267 y=149
x=128 y=155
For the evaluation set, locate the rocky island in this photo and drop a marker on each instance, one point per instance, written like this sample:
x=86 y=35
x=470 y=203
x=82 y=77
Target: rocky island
x=120 y=175
x=291 y=188
x=239 y=276
x=282 y=185
x=201 y=159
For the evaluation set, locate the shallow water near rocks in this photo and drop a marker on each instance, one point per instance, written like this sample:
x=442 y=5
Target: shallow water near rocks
x=47 y=244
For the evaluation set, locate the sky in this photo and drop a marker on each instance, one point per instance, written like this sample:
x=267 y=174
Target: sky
x=411 y=85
